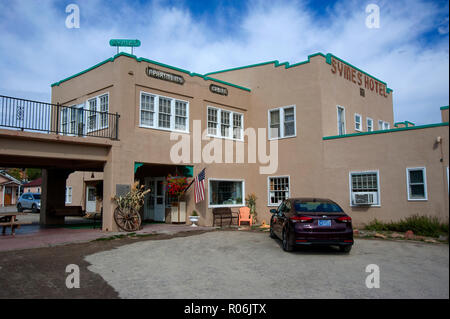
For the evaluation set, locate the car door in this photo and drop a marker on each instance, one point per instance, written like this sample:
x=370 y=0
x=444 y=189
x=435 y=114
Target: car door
x=279 y=220
x=26 y=203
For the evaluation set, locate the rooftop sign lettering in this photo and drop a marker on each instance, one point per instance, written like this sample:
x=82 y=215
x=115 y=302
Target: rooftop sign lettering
x=357 y=77
x=218 y=89
x=124 y=43
x=166 y=76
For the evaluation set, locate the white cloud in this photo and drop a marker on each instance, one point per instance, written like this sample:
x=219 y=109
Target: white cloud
x=36 y=49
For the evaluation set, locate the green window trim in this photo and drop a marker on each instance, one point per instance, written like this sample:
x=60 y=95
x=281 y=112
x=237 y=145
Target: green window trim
x=386 y=131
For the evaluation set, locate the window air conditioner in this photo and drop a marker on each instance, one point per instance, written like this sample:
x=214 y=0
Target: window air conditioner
x=364 y=198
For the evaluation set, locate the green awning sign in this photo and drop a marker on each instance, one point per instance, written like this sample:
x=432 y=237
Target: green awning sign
x=124 y=43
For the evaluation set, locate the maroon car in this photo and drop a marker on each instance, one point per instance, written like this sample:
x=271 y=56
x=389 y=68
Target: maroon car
x=311 y=221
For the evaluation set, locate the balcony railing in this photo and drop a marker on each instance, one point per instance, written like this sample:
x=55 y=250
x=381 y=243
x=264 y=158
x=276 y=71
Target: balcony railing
x=34 y=116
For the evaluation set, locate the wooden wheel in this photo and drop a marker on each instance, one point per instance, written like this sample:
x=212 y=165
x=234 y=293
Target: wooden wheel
x=127 y=219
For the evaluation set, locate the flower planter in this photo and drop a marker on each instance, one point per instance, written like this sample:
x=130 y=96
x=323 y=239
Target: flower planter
x=178 y=212
x=194 y=220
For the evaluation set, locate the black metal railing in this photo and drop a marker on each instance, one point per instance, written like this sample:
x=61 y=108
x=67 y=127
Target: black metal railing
x=34 y=116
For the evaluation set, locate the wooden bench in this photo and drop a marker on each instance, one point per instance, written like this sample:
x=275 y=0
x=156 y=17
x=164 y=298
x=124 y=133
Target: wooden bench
x=223 y=213
x=67 y=211
x=10 y=220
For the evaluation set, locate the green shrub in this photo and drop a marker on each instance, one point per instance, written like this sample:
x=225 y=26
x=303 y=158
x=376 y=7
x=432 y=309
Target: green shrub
x=420 y=225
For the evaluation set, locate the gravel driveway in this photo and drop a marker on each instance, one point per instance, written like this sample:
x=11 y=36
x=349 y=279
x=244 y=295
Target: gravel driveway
x=231 y=264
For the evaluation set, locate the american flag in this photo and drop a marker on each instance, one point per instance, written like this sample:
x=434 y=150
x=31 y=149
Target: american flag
x=199 y=187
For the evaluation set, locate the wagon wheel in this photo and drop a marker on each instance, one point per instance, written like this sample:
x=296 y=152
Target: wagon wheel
x=127 y=219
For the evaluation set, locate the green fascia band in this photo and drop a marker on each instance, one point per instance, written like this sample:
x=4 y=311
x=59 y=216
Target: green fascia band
x=444 y=107
x=386 y=131
x=406 y=123
x=192 y=74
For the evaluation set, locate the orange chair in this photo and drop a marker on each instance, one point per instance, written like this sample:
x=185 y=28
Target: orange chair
x=244 y=215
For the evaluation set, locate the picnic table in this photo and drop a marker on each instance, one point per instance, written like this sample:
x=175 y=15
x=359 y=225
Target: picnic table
x=10 y=220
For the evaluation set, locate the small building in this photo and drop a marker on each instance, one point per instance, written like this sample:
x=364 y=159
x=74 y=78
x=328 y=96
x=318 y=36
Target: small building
x=33 y=187
x=9 y=189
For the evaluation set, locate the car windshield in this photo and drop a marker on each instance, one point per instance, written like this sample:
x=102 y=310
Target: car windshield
x=317 y=207
x=37 y=196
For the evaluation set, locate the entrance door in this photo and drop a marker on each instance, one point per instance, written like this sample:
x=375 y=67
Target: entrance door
x=8 y=195
x=155 y=207
x=90 y=200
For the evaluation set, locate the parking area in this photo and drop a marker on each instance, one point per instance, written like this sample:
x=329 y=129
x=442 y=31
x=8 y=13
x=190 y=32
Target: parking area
x=224 y=264
x=233 y=264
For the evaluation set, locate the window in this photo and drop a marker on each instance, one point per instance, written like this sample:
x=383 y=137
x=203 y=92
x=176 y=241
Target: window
x=223 y=123
x=278 y=188
x=417 y=185
x=226 y=193
x=92 y=115
x=68 y=195
x=282 y=122
x=358 y=125
x=104 y=109
x=386 y=126
x=237 y=126
x=165 y=113
x=341 y=120
x=369 y=125
x=72 y=120
x=65 y=120
x=380 y=125
x=365 y=183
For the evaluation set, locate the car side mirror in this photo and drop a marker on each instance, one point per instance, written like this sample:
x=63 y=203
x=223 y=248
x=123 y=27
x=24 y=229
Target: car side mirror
x=273 y=211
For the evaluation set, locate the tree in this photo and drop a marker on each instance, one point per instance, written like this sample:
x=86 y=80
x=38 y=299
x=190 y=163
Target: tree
x=33 y=173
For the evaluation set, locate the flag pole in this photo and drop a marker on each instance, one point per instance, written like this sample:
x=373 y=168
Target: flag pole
x=185 y=190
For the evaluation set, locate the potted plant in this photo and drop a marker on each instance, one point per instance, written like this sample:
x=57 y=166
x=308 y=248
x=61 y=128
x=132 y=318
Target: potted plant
x=194 y=218
x=176 y=185
x=251 y=203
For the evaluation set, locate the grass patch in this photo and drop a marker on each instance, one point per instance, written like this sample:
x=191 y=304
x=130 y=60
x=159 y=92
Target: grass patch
x=420 y=225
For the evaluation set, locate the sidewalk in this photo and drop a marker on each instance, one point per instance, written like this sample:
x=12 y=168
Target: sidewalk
x=34 y=236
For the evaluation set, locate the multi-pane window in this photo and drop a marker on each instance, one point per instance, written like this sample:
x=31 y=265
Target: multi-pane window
x=358 y=126
x=92 y=115
x=73 y=120
x=212 y=121
x=225 y=123
x=104 y=108
x=147 y=109
x=163 y=112
x=282 y=122
x=278 y=189
x=68 y=195
x=369 y=125
x=237 y=126
x=380 y=124
x=386 y=126
x=417 y=186
x=226 y=193
x=180 y=115
x=222 y=123
x=365 y=184
x=65 y=120
x=341 y=120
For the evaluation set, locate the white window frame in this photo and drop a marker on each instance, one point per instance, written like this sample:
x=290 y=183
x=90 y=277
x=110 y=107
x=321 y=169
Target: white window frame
x=70 y=120
x=282 y=122
x=219 y=124
x=226 y=180
x=156 y=113
x=378 y=186
x=386 y=125
x=380 y=125
x=369 y=120
x=68 y=195
x=425 y=186
x=97 y=125
x=269 y=204
x=360 y=129
x=343 y=117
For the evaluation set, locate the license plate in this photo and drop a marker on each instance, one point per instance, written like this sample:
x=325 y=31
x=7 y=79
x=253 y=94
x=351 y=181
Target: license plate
x=325 y=222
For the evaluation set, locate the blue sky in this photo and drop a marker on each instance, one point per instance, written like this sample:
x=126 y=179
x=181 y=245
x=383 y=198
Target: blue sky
x=409 y=51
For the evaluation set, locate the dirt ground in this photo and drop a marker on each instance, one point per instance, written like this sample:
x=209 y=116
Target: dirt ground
x=40 y=272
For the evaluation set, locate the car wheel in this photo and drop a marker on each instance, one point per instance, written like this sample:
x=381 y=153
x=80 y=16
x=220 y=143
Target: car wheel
x=287 y=245
x=34 y=209
x=19 y=208
x=271 y=233
x=345 y=249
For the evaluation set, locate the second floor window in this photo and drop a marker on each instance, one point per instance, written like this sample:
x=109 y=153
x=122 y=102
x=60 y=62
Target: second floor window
x=358 y=120
x=282 y=122
x=224 y=123
x=369 y=125
x=162 y=112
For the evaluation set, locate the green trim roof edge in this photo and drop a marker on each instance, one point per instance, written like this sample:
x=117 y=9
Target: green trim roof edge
x=404 y=122
x=327 y=57
x=386 y=131
x=204 y=77
x=445 y=107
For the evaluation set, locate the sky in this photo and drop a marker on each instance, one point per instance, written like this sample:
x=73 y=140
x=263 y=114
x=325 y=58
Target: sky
x=409 y=51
